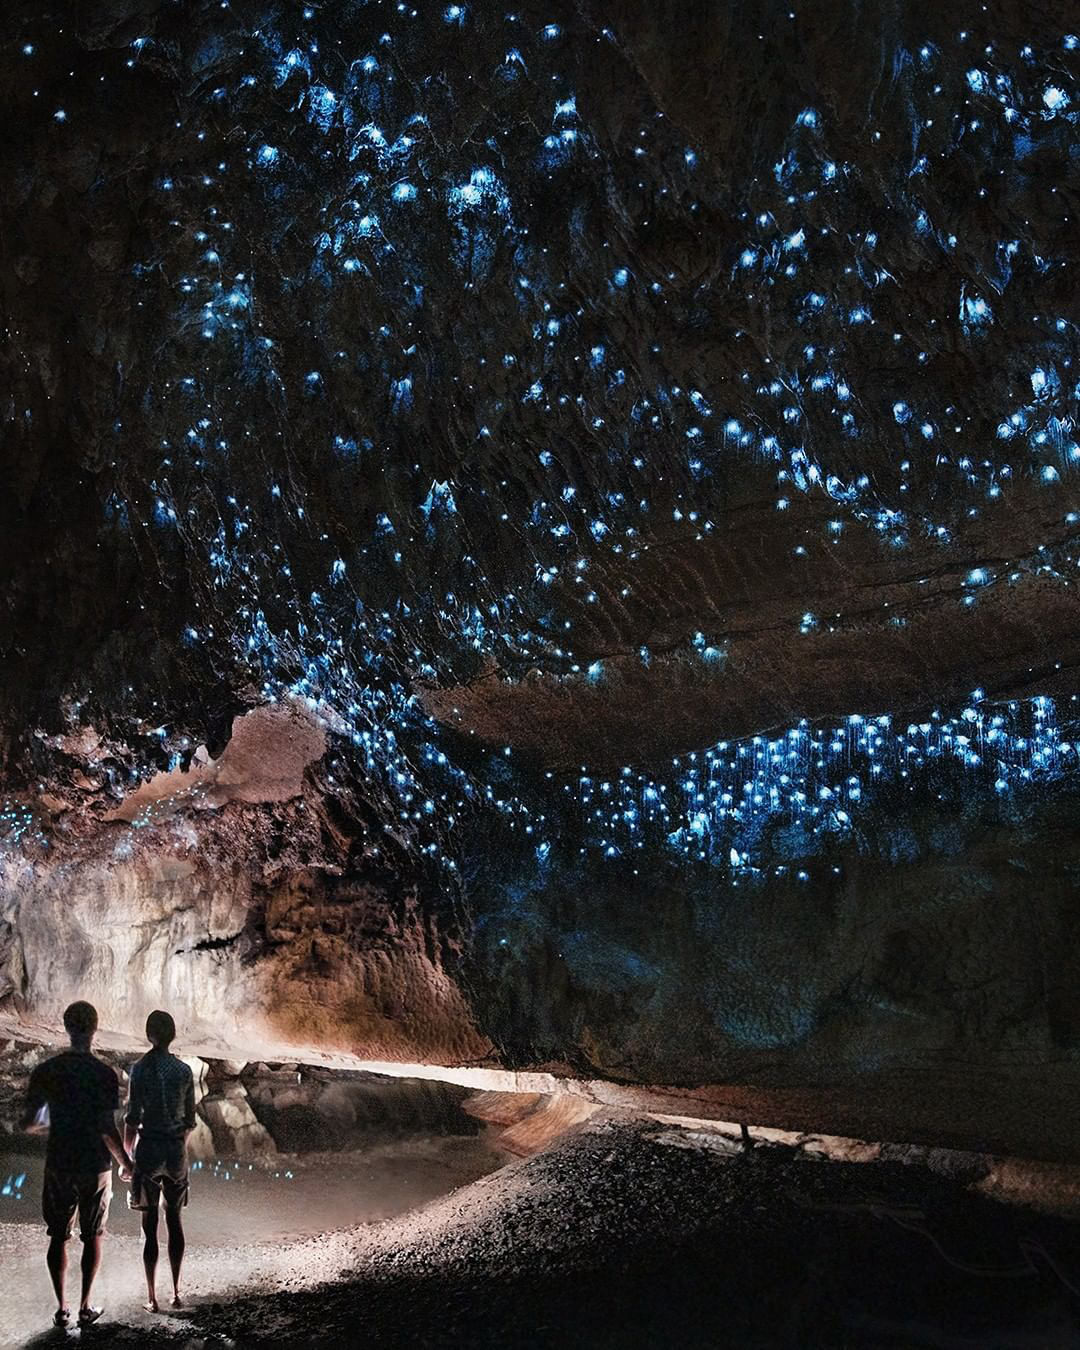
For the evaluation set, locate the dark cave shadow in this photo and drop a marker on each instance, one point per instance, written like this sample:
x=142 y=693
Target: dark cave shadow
x=45 y=1340
x=792 y=1256
x=183 y=1332
x=843 y=1283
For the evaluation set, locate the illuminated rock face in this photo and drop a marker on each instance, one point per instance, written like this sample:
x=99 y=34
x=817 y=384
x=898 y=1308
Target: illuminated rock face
x=264 y=761
x=931 y=997
x=304 y=961
x=534 y=539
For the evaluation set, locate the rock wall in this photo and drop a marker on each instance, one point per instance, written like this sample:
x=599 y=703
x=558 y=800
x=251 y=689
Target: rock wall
x=307 y=961
x=933 y=998
x=544 y=544
x=257 y=1109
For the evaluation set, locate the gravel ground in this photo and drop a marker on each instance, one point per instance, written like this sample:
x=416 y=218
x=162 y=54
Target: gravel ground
x=245 y=1217
x=614 y=1238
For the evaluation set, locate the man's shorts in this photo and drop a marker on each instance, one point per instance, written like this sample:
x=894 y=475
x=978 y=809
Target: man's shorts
x=161 y=1168
x=65 y=1192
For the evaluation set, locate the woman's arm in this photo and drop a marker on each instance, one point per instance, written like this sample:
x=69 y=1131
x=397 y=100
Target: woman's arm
x=133 y=1114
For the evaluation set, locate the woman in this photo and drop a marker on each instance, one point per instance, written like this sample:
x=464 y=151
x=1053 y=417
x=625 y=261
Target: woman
x=160 y=1116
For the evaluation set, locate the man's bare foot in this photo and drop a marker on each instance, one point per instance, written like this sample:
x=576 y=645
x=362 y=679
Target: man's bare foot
x=151 y=1305
x=176 y=1301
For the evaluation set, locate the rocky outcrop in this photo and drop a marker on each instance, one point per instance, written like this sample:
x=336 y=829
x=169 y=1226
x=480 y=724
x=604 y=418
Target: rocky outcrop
x=308 y=960
x=530 y=1122
x=313 y=1109
x=545 y=546
x=264 y=761
x=233 y=1125
x=290 y=1109
x=930 y=1000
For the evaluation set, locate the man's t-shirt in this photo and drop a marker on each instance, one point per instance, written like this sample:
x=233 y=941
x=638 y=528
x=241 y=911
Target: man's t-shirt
x=80 y=1092
x=161 y=1097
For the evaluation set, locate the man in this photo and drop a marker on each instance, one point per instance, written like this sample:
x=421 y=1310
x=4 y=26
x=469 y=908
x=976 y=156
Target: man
x=82 y=1094
x=161 y=1113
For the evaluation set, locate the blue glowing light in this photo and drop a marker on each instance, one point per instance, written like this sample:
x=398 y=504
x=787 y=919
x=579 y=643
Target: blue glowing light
x=975 y=310
x=794 y=404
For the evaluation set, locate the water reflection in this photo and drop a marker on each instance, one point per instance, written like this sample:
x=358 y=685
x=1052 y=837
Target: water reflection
x=267 y=1110
x=13 y=1186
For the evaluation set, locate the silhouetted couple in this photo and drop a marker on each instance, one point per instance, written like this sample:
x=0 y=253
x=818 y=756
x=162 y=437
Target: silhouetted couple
x=82 y=1095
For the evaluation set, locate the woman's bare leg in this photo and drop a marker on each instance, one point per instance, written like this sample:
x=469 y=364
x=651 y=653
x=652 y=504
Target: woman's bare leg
x=150 y=1256
x=174 y=1222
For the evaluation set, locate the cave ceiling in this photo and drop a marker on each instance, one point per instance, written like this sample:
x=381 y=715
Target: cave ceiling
x=629 y=431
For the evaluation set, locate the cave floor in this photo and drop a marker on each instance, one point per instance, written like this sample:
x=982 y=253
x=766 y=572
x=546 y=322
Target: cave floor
x=244 y=1221
x=615 y=1238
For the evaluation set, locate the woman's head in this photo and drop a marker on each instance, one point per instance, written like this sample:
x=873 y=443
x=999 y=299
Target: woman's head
x=160 y=1030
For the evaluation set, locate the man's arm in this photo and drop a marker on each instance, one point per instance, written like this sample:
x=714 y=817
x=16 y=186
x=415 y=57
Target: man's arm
x=111 y=1135
x=35 y=1100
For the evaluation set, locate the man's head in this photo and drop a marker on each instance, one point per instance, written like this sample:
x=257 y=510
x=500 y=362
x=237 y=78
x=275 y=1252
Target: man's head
x=160 y=1030
x=80 y=1022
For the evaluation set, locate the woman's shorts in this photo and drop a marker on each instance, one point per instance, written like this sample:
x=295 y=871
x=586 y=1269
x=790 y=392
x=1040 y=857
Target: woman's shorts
x=161 y=1169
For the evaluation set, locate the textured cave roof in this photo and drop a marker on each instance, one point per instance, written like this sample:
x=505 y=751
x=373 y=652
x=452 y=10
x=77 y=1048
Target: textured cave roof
x=457 y=392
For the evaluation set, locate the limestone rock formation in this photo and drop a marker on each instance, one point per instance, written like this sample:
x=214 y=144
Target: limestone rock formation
x=544 y=544
x=236 y=1131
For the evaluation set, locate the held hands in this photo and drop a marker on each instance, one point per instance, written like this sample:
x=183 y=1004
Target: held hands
x=126 y=1170
x=36 y=1122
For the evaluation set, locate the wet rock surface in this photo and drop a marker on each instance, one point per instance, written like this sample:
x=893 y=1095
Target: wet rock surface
x=244 y=948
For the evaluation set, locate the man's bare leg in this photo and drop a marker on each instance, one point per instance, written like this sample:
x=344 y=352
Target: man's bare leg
x=150 y=1256
x=56 y=1260
x=91 y=1263
x=175 y=1225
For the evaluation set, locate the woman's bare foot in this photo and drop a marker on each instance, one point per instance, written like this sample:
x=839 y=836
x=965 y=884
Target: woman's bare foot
x=176 y=1301
x=151 y=1305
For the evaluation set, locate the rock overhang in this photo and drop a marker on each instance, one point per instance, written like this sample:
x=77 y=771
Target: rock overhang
x=664 y=497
